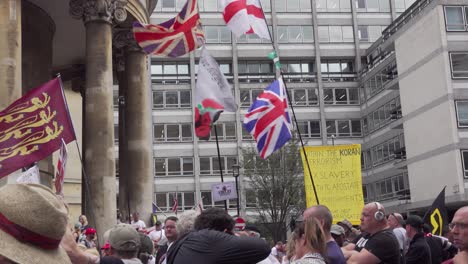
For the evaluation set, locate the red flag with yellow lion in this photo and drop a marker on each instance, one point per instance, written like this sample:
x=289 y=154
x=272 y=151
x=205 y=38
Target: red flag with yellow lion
x=33 y=126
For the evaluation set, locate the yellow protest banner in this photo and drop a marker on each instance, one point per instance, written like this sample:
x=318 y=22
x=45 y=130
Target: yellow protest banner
x=336 y=171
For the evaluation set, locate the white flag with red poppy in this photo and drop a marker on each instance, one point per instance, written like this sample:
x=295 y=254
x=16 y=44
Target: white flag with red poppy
x=245 y=17
x=212 y=95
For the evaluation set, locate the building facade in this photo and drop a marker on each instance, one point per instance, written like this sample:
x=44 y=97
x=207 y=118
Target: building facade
x=357 y=72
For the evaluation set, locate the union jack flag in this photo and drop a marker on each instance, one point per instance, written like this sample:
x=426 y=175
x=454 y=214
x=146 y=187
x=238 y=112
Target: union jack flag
x=268 y=119
x=175 y=37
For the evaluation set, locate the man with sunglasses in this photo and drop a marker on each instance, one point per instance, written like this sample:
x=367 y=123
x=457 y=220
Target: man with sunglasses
x=459 y=229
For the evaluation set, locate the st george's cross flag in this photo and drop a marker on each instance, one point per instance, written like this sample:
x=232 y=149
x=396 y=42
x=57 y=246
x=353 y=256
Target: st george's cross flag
x=268 y=119
x=61 y=165
x=175 y=37
x=212 y=95
x=245 y=17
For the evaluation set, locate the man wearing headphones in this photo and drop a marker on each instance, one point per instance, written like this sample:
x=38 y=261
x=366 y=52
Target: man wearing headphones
x=377 y=243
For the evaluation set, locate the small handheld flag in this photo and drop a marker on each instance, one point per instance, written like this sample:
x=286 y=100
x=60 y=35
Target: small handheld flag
x=436 y=216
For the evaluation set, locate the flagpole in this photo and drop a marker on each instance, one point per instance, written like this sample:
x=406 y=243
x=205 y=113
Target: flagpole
x=292 y=108
x=219 y=161
x=85 y=176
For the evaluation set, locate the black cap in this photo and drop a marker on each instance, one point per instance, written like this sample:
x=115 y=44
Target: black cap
x=251 y=227
x=158 y=223
x=415 y=221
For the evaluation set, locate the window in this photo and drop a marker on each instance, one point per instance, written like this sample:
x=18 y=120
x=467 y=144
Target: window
x=455 y=18
x=304 y=96
x=335 y=34
x=333 y=6
x=395 y=187
x=116 y=134
x=462 y=113
x=173 y=166
x=310 y=128
x=292 y=6
x=210 y=165
x=206 y=198
x=250 y=198
x=295 y=34
x=172 y=99
x=161 y=201
x=344 y=128
x=385 y=151
x=373 y=5
x=210 y=5
x=459 y=65
x=465 y=162
x=226 y=131
x=370 y=33
x=255 y=72
x=170 y=72
x=341 y=96
x=189 y=200
x=217 y=34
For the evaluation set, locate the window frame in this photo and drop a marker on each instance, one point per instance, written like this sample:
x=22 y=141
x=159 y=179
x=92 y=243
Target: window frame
x=451 y=65
x=457 y=113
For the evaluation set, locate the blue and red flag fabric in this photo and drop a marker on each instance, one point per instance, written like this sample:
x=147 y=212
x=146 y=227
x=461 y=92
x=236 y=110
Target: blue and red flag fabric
x=268 y=119
x=175 y=37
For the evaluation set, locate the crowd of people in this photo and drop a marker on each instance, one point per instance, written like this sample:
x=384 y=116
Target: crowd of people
x=35 y=228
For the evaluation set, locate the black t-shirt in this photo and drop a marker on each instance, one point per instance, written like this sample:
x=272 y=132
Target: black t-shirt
x=383 y=244
x=213 y=247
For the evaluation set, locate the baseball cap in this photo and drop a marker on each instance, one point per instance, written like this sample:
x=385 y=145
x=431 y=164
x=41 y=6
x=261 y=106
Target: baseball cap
x=90 y=231
x=415 y=221
x=337 y=230
x=106 y=245
x=124 y=237
x=346 y=223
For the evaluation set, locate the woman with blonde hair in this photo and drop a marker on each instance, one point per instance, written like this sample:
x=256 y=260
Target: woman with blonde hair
x=290 y=249
x=310 y=243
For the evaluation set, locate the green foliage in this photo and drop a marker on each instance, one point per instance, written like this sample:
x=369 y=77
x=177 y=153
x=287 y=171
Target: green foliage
x=279 y=183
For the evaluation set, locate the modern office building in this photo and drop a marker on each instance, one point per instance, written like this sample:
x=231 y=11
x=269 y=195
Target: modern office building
x=402 y=94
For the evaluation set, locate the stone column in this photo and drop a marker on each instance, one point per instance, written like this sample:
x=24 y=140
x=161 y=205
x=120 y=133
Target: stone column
x=99 y=156
x=138 y=128
x=10 y=52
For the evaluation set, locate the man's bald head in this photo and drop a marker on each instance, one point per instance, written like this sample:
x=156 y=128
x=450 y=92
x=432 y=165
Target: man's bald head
x=459 y=228
x=322 y=213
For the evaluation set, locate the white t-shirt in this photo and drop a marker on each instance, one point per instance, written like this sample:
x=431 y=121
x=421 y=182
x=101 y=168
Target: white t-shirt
x=138 y=224
x=274 y=251
x=156 y=235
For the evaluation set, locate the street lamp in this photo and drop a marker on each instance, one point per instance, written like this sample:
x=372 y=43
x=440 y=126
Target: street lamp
x=235 y=174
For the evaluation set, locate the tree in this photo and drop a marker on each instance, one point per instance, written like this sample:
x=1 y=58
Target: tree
x=279 y=185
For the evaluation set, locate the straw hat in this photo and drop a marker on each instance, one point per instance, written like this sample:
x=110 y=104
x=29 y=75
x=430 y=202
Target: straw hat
x=33 y=213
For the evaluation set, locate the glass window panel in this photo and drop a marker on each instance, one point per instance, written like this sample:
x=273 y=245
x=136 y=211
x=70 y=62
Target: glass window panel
x=280 y=5
x=156 y=69
x=181 y=3
x=173 y=166
x=185 y=99
x=334 y=66
x=245 y=97
x=171 y=99
x=324 y=66
x=294 y=67
x=308 y=33
x=335 y=34
x=266 y=5
x=361 y=4
x=253 y=68
x=295 y=35
x=356 y=127
x=353 y=95
x=160 y=167
x=231 y=161
x=242 y=39
x=321 y=5
x=293 y=5
x=230 y=130
x=161 y=201
x=189 y=200
x=225 y=35
x=283 y=34
x=343 y=128
x=333 y=5
x=168 y=4
x=251 y=197
x=172 y=132
x=328 y=96
x=303 y=127
x=205 y=167
x=242 y=67
x=225 y=68
x=266 y=68
x=216 y=164
x=172 y=195
x=400 y=5
x=158 y=99
x=331 y=128
x=384 y=5
x=459 y=65
x=374 y=33
x=305 y=5
x=305 y=67
x=211 y=34
x=299 y=96
x=312 y=96
x=323 y=34
x=462 y=113
x=187 y=166
x=345 y=5
x=340 y=96
x=186 y=132
x=373 y=6
x=315 y=128
x=363 y=33
x=206 y=198
x=159 y=133
x=348 y=35
x=183 y=69
x=170 y=69
x=346 y=66
x=210 y=5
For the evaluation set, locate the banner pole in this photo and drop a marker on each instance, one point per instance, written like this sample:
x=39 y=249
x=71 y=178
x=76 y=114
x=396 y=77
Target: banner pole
x=219 y=162
x=292 y=108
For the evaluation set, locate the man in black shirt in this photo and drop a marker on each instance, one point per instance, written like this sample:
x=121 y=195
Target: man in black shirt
x=377 y=244
x=213 y=242
x=418 y=251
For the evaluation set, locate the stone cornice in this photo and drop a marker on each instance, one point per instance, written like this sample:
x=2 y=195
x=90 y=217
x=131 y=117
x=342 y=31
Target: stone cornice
x=99 y=10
